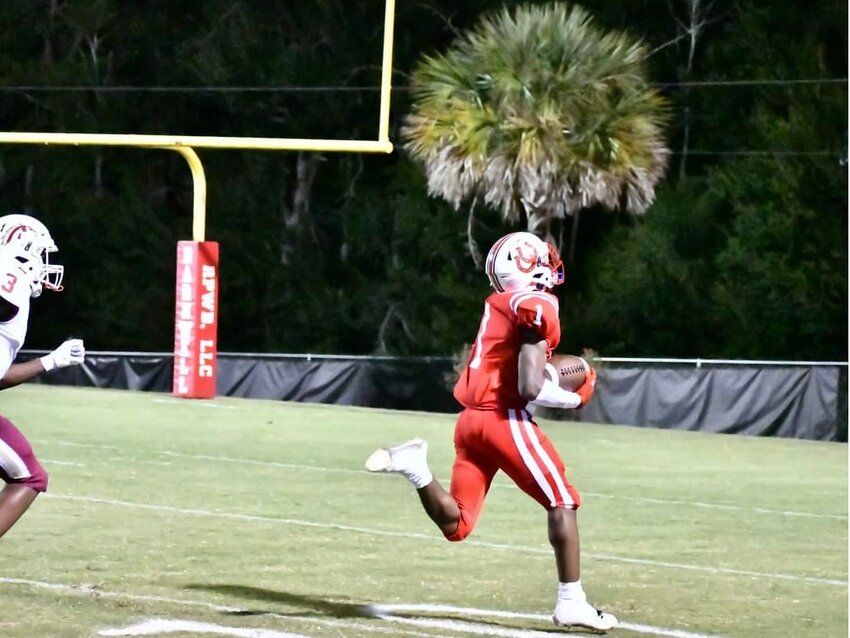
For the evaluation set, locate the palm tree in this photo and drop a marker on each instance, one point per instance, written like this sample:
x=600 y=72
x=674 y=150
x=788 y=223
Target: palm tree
x=541 y=113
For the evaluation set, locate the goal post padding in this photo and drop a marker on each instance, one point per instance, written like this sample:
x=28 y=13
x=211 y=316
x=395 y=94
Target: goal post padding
x=196 y=320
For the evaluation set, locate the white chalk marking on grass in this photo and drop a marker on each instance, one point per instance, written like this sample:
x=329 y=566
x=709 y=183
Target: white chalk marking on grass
x=202 y=404
x=288 y=466
x=719 y=570
x=54 y=462
x=433 y=537
x=389 y=611
x=88 y=446
x=250 y=517
x=158 y=626
x=88 y=591
x=721 y=506
x=340 y=470
x=207 y=457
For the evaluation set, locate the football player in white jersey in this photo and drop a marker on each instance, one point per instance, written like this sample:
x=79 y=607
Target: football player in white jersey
x=25 y=271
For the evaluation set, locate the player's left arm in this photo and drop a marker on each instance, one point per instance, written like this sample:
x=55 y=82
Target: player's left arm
x=72 y=352
x=532 y=362
x=551 y=395
x=539 y=332
x=537 y=316
x=20 y=372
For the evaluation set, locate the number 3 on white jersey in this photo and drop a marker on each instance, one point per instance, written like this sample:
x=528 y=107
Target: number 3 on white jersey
x=9 y=282
x=476 y=358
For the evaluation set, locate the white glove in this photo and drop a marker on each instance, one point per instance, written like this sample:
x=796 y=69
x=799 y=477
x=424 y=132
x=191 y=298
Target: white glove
x=72 y=352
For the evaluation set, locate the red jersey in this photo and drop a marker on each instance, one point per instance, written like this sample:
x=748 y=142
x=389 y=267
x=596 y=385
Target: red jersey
x=490 y=380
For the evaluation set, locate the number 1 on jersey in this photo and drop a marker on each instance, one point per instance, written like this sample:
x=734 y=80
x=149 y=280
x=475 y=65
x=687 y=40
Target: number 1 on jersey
x=538 y=317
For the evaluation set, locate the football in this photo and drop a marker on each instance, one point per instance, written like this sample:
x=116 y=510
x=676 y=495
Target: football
x=569 y=370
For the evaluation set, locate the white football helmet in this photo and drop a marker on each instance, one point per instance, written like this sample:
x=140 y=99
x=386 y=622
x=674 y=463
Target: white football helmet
x=523 y=261
x=29 y=242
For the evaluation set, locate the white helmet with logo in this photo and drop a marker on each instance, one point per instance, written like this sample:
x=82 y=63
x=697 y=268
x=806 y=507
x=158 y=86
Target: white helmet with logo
x=29 y=242
x=523 y=261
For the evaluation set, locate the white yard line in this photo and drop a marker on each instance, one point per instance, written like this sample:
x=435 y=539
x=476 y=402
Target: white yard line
x=338 y=470
x=434 y=537
x=393 y=613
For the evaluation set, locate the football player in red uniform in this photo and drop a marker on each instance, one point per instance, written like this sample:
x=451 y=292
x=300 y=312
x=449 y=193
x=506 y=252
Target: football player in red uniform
x=24 y=272
x=518 y=332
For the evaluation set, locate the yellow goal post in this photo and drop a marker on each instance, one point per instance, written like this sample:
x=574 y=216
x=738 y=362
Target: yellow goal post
x=185 y=144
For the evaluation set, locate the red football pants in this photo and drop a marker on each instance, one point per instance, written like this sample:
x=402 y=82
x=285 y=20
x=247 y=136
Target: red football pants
x=489 y=440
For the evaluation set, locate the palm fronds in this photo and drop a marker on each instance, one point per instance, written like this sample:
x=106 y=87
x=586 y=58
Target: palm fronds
x=539 y=109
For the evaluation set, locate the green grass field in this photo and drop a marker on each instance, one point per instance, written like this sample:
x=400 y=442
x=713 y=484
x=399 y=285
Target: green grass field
x=255 y=518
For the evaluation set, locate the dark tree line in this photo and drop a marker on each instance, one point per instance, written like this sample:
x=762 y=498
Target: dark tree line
x=743 y=254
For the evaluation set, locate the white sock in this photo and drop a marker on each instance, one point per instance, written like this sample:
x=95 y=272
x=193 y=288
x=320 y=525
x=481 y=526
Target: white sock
x=419 y=477
x=571 y=591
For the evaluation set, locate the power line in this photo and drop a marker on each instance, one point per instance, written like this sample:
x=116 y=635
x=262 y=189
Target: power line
x=353 y=89
x=778 y=153
x=709 y=83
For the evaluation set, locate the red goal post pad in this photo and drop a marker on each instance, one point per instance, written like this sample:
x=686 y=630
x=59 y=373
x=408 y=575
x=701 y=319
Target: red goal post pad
x=196 y=320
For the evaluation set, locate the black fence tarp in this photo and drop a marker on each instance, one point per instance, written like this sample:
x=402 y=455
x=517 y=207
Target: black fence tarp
x=788 y=401
x=403 y=384
x=380 y=382
x=801 y=401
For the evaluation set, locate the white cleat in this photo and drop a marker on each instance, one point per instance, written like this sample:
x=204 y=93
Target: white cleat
x=580 y=613
x=403 y=458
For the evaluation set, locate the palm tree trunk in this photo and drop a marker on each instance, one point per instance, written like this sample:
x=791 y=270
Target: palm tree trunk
x=560 y=243
x=471 y=244
x=539 y=222
x=571 y=257
x=295 y=218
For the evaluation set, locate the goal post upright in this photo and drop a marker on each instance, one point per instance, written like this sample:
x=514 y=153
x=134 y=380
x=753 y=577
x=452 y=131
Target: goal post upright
x=386 y=75
x=199 y=190
x=197 y=260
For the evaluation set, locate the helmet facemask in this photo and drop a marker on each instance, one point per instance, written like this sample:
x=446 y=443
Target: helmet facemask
x=50 y=275
x=31 y=243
